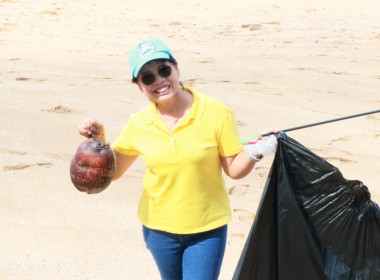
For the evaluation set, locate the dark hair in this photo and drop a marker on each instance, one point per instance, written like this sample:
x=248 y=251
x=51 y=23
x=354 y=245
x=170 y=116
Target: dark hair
x=170 y=60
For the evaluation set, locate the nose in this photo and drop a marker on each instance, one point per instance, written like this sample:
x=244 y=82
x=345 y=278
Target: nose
x=158 y=79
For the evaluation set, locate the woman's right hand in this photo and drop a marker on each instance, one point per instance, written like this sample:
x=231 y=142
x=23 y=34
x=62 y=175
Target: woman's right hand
x=84 y=129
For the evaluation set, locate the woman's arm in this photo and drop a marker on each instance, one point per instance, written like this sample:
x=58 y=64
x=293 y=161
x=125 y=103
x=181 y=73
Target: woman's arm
x=123 y=162
x=238 y=166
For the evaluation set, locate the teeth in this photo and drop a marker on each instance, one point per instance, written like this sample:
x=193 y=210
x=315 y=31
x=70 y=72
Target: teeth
x=162 y=89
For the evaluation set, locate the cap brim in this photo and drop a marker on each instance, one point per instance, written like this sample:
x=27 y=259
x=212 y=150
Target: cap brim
x=147 y=58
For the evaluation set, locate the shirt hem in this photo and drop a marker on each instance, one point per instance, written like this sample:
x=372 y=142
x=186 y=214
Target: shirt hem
x=205 y=228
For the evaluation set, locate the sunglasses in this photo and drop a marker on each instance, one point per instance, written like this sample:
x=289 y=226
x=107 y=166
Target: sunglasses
x=149 y=78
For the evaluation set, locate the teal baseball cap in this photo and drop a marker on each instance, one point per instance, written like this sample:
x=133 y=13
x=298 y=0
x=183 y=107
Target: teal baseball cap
x=146 y=51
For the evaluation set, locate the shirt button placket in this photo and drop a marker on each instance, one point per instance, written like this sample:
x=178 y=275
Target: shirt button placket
x=172 y=144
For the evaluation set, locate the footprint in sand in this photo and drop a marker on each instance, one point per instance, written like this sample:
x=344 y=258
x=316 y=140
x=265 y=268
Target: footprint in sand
x=238 y=190
x=65 y=157
x=262 y=171
x=240 y=123
x=59 y=110
x=302 y=68
x=24 y=166
x=236 y=237
x=244 y=215
x=103 y=78
x=137 y=173
x=22 y=79
x=377 y=37
x=252 y=27
x=50 y=13
x=176 y=23
x=12 y=152
x=339 y=139
x=338 y=73
x=7 y=27
x=339 y=159
x=252 y=83
x=272 y=23
x=190 y=82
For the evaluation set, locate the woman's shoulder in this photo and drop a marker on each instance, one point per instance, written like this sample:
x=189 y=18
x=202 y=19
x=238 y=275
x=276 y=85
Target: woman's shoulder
x=144 y=115
x=210 y=102
x=214 y=104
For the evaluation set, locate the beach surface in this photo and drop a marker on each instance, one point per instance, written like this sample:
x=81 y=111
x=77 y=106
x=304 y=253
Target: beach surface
x=274 y=63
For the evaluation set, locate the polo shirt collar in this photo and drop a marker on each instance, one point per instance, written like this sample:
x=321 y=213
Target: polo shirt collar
x=197 y=108
x=151 y=112
x=195 y=112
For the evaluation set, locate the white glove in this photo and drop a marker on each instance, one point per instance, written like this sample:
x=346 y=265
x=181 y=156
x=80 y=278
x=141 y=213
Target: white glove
x=266 y=146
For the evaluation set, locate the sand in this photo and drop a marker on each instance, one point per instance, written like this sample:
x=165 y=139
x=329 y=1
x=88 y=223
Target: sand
x=274 y=63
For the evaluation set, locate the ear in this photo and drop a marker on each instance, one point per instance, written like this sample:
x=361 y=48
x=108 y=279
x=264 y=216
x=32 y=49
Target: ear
x=139 y=86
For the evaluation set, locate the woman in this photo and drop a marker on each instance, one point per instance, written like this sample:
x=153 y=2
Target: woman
x=186 y=139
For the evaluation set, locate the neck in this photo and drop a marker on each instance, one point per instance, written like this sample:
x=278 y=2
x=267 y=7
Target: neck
x=174 y=107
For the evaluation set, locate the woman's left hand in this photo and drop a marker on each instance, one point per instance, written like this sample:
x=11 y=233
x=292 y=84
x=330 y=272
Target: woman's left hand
x=271 y=130
x=265 y=146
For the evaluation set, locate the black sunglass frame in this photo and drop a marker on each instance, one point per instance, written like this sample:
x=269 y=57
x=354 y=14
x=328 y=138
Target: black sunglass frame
x=148 y=78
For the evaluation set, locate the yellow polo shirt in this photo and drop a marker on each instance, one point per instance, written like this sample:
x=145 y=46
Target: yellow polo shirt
x=184 y=191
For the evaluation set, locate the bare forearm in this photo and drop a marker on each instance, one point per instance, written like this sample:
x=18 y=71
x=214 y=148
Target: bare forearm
x=238 y=166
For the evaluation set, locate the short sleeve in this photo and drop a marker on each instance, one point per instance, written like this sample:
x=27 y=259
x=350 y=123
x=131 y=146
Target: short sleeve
x=229 y=140
x=124 y=143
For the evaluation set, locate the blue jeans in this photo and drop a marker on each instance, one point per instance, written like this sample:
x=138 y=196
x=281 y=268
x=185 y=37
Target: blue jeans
x=196 y=256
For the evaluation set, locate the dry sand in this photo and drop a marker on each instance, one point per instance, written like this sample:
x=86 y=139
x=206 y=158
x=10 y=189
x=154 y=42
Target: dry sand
x=274 y=63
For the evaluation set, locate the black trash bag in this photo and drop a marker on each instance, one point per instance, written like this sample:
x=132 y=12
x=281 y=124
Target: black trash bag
x=311 y=224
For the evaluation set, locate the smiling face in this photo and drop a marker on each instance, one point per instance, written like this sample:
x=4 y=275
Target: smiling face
x=163 y=87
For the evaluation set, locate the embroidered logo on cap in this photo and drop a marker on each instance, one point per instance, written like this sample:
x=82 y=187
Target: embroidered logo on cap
x=145 y=48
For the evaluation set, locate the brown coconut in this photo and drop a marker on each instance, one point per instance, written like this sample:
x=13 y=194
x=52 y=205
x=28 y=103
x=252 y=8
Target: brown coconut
x=93 y=166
